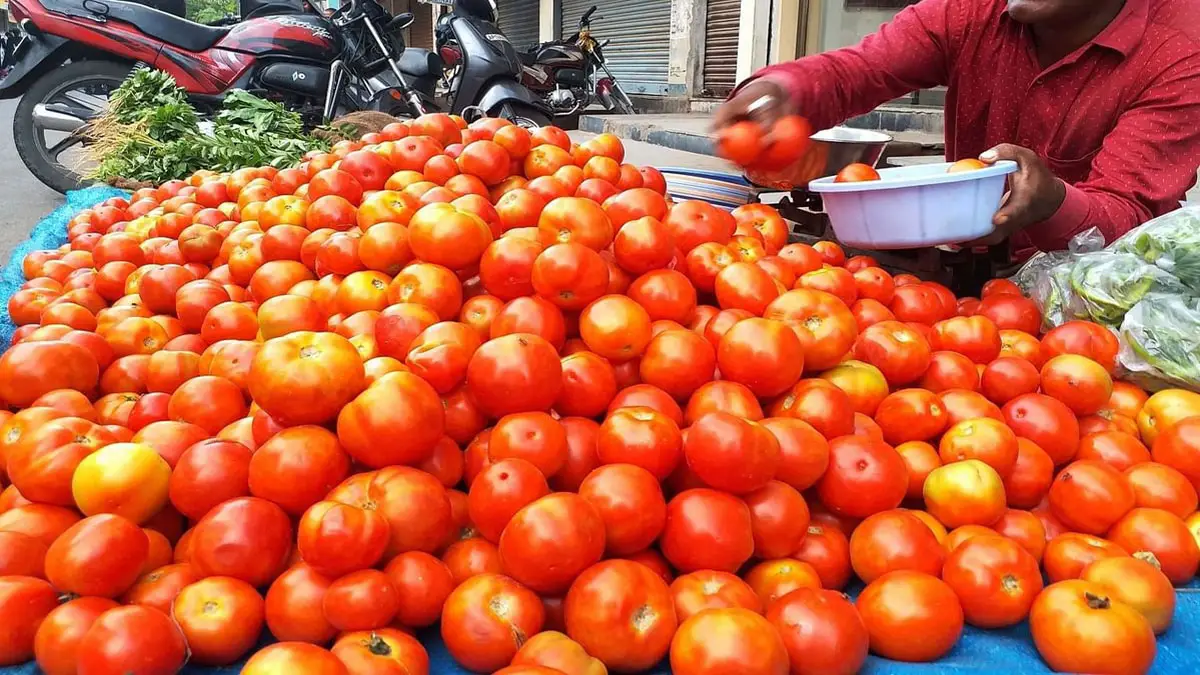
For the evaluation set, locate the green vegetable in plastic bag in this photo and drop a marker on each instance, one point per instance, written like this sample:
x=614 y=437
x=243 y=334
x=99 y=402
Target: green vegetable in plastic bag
x=1160 y=338
x=1171 y=242
x=1109 y=284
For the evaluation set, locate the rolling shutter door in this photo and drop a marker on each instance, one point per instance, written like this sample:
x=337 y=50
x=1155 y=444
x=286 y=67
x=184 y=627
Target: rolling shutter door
x=519 y=22
x=640 y=31
x=721 y=46
x=421 y=31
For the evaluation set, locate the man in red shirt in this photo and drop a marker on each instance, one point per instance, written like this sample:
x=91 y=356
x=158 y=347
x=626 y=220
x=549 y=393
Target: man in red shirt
x=1098 y=101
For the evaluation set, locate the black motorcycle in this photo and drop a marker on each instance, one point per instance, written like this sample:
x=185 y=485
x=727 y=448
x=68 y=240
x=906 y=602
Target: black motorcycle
x=484 y=70
x=571 y=74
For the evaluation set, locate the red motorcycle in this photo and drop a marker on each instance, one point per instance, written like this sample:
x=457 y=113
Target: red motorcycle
x=65 y=57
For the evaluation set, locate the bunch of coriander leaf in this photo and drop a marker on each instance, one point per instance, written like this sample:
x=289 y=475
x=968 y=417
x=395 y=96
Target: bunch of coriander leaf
x=150 y=133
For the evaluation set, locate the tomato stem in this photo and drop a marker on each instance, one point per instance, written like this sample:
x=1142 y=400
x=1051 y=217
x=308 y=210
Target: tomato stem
x=1097 y=601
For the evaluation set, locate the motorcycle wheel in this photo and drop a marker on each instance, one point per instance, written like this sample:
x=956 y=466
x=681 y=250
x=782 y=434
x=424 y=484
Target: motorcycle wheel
x=524 y=115
x=82 y=84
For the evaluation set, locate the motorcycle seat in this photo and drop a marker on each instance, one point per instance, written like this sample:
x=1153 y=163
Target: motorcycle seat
x=171 y=29
x=420 y=62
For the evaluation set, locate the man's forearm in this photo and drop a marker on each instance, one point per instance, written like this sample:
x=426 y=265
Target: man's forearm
x=1084 y=208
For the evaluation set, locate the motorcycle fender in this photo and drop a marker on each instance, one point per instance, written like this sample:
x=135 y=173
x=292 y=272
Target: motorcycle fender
x=43 y=53
x=497 y=93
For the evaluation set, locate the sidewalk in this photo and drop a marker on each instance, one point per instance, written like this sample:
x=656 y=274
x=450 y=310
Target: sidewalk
x=642 y=153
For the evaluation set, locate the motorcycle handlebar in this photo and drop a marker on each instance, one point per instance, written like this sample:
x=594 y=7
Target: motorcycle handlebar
x=583 y=20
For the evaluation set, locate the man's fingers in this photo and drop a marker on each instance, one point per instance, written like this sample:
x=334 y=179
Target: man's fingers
x=1001 y=152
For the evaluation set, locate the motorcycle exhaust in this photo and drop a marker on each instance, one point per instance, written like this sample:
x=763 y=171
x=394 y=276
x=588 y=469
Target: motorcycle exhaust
x=52 y=120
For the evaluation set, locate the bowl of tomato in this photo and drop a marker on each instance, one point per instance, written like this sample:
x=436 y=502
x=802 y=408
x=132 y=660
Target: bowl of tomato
x=913 y=206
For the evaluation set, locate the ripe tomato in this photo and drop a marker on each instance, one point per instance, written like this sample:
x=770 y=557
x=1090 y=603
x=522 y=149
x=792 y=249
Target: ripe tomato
x=1177 y=445
x=1116 y=448
x=778 y=519
x=293 y=608
x=398 y=405
x=833 y=280
x=803 y=451
x=629 y=500
x=1164 y=535
x=514 y=373
x=901 y=604
x=856 y=173
x=894 y=540
x=384 y=650
x=865 y=476
x=975 y=337
x=731 y=640
x=707 y=589
x=296 y=467
x=967 y=492
x=423 y=583
x=1161 y=487
x=985 y=439
x=555 y=651
x=535 y=437
x=730 y=453
x=305 y=378
x=950 y=370
x=819 y=403
x=995 y=580
x=1138 y=584
x=221 y=619
x=911 y=415
x=294 y=658
x=245 y=538
x=132 y=639
x=336 y=539
x=1090 y=496
x=707 y=529
x=362 y=600
x=920 y=458
x=500 y=491
x=414 y=503
x=482 y=616
x=762 y=354
x=549 y=542
x=862 y=382
x=917 y=303
x=25 y=603
x=1011 y=312
x=898 y=351
x=678 y=362
x=1045 y=421
x=1068 y=554
x=822 y=632
x=56 y=643
x=208 y=473
x=100 y=555
x=1078 y=629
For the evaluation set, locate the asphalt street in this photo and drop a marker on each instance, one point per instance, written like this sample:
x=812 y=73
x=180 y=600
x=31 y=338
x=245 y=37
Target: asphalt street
x=23 y=199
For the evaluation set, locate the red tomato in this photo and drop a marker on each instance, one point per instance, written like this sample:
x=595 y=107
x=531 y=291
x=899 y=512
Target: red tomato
x=822 y=632
x=865 y=476
x=56 y=644
x=911 y=415
x=500 y=491
x=706 y=589
x=950 y=370
x=1078 y=629
x=99 y=556
x=903 y=604
x=730 y=453
x=294 y=658
x=897 y=350
x=1090 y=496
x=975 y=337
x=747 y=643
x=630 y=501
x=707 y=529
x=1082 y=338
x=481 y=616
x=25 y=603
x=803 y=451
x=995 y=579
x=1082 y=384
x=549 y=542
x=423 y=583
x=894 y=540
x=245 y=538
x=819 y=403
x=221 y=619
x=1068 y=554
x=622 y=613
x=1162 y=534
x=1046 y=422
x=133 y=639
x=294 y=606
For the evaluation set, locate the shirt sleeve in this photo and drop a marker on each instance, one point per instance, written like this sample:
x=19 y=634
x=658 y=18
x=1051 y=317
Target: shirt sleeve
x=1144 y=167
x=911 y=52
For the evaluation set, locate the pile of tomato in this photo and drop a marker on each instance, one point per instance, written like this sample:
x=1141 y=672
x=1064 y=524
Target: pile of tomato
x=492 y=381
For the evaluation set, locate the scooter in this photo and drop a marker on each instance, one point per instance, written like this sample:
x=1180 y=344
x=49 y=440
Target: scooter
x=485 y=70
x=571 y=74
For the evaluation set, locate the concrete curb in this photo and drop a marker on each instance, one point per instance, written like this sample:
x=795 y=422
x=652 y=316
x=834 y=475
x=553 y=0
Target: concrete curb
x=631 y=127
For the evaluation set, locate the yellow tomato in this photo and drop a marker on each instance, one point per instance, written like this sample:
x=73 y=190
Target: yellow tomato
x=126 y=479
x=1163 y=410
x=965 y=493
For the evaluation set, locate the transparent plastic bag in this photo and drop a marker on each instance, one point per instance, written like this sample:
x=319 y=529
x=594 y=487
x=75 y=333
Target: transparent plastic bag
x=1160 y=339
x=1107 y=285
x=1039 y=264
x=1170 y=242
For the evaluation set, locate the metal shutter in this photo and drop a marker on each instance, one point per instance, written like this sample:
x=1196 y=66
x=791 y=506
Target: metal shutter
x=640 y=31
x=421 y=31
x=519 y=21
x=721 y=46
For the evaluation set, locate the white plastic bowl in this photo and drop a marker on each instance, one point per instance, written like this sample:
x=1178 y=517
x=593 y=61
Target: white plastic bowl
x=914 y=206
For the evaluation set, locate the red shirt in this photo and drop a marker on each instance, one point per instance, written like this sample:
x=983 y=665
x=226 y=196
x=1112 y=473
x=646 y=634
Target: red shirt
x=1118 y=120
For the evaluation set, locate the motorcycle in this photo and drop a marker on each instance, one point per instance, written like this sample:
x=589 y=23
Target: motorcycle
x=65 y=57
x=571 y=74
x=484 y=68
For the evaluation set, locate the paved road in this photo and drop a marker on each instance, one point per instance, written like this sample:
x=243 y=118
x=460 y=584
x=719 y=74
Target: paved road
x=23 y=199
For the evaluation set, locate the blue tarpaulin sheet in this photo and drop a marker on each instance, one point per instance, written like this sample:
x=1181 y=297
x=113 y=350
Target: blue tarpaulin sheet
x=1009 y=651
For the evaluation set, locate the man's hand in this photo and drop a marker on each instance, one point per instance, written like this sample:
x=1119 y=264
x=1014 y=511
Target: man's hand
x=1034 y=193
x=762 y=100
